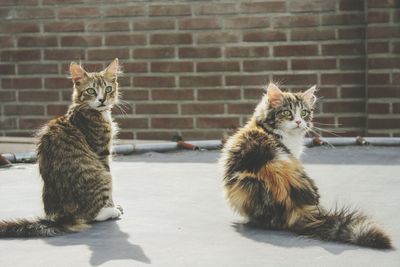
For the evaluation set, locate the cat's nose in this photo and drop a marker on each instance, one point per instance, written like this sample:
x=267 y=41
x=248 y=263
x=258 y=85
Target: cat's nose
x=298 y=122
x=102 y=100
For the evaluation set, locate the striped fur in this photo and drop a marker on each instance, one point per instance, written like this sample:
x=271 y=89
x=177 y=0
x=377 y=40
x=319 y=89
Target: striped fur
x=73 y=155
x=266 y=183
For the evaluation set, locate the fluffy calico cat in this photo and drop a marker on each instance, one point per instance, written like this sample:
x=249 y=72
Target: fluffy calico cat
x=73 y=156
x=266 y=183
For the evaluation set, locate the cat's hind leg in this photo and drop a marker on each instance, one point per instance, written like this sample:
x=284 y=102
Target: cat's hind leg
x=108 y=213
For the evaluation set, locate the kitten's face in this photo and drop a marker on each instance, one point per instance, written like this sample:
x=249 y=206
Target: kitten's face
x=98 y=90
x=288 y=112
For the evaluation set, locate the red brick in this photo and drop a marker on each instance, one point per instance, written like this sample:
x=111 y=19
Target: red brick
x=81 y=12
x=122 y=110
x=378 y=108
x=203 y=135
x=107 y=54
x=7 y=69
x=36 y=13
x=169 y=94
x=218 y=94
x=326 y=92
x=135 y=67
x=6 y=41
x=63 y=26
x=352 y=122
x=202 y=109
x=248 y=51
x=343 y=49
x=172 y=123
x=169 y=10
x=135 y=94
x=264 y=36
x=344 y=107
x=295 y=50
x=40 y=41
x=378 y=47
x=133 y=123
x=112 y=26
x=384 y=63
x=343 y=19
x=64 y=54
x=20 y=133
x=37 y=68
x=154 y=81
x=312 y=34
x=57 y=83
x=21 y=2
x=37 y=96
x=203 y=52
x=128 y=135
x=313 y=64
x=154 y=53
x=200 y=81
x=246 y=79
x=352 y=33
x=155 y=135
x=123 y=40
x=8 y=123
x=383 y=92
x=153 y=24
x=246 y=22
x=21 y=83
x=378 y=16
x=19 y=55
x=352 y=5
x=125 y=11
x=263 y=7
x=80 y=41
x=295 y=21
x=352 y=63
x=218 y=66
x=353 y=92
x=171 y=38
x=156 y=108
x=253 y=93
x=180 y=66
x=199 y=24
x=216 y=9
x=382 y=3
x=384 y=123
x=396 y=108
x=383 y=32
x=56 y=110
x=217 y=37
x=31 y=123
x=22 y=27
x=343 y=78
x=296 y=79
x=308 y=6
x=7 y=96
x=378 y=78
x=264 y=65
x=23 y=110
x=217 y=123
x=241 y=108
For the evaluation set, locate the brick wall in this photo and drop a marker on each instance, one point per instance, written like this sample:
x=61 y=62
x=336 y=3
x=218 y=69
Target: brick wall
x=198 y=67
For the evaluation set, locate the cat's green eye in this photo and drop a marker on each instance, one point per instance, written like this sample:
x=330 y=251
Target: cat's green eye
x=286 y=113
x=304 y=113
x=108 y=89
x=91 y=91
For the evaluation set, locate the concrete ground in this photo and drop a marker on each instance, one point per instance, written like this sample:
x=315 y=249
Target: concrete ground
x=175 y=214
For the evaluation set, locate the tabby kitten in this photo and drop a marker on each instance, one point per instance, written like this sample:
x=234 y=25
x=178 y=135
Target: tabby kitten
x=266 y=183
x=73 y=155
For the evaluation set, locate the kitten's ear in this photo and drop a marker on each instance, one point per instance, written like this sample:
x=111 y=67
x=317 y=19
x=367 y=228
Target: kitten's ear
x=112 y=70
x=77 y=72
x=274 y=95
x=309 y=95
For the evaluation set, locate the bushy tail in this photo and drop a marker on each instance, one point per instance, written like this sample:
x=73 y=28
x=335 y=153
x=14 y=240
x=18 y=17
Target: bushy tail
x=39 y=227
x=343 y=225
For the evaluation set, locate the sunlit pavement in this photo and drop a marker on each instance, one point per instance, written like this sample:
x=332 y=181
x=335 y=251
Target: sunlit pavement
x=176 y=215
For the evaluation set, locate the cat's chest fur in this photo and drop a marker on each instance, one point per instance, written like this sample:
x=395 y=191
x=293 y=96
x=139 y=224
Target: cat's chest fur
x=295 y=143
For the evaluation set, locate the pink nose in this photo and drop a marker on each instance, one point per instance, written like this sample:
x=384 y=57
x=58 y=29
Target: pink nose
x=298 y=122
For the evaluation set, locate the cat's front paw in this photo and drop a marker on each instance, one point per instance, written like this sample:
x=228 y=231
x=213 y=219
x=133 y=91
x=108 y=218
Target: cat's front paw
x=119 y=207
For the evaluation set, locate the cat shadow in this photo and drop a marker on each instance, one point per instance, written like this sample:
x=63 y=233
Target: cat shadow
x=106 y=241
x=287 y=239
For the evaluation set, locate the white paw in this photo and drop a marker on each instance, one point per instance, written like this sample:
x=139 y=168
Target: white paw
x=108 y=213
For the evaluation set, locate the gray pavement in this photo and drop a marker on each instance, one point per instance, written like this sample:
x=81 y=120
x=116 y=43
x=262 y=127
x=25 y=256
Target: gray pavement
x=175 y=214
